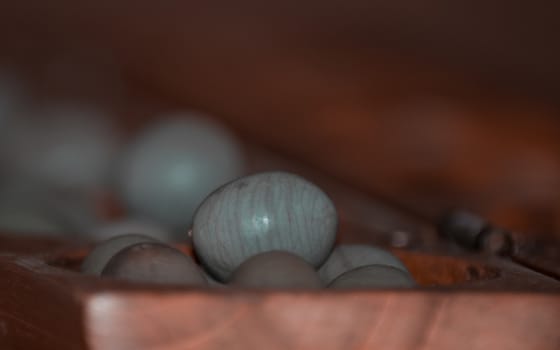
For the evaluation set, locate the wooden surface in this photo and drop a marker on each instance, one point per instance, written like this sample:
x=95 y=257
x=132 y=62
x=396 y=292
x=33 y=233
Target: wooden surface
x=464 y=303
x=333 y=321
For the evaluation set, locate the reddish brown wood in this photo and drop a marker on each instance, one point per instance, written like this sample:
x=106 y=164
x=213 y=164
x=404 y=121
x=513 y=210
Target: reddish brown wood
x=14 y=244
x=539 y=255
x=355 y=320
x=465 y=301
x=486 y=303
x=38 y=310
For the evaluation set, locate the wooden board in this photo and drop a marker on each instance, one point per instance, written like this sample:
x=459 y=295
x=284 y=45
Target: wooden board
x=462 y=303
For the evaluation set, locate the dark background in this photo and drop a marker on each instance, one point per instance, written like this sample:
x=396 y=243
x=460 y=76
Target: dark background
x=431 y=104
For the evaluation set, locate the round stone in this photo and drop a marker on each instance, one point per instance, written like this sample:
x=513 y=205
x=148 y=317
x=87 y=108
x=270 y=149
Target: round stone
x=212 y=282
x=96 y=260
x=276 y=269
x=154 y=263
x=131 y=226
x=263 y=212
x=347 y=257
x=463 y=226
x=167 y=171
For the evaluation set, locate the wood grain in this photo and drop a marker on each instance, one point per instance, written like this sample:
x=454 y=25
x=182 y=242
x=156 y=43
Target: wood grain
x=38 y=312
x=305 y=321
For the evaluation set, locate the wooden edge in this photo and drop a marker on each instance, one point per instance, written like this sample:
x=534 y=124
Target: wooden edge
x=58 y=308
x=334 y=320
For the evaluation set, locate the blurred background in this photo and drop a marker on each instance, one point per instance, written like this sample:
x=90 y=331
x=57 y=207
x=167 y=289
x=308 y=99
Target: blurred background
x=430 y=105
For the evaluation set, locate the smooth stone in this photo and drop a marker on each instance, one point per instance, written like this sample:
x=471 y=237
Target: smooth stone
x=463 y=226
x=169 y=169
x=131 y=226
x=373 y=276
x=100 y=255
x=347 y=257
x=276 y=269
x=263 y=212
x=154 y=263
